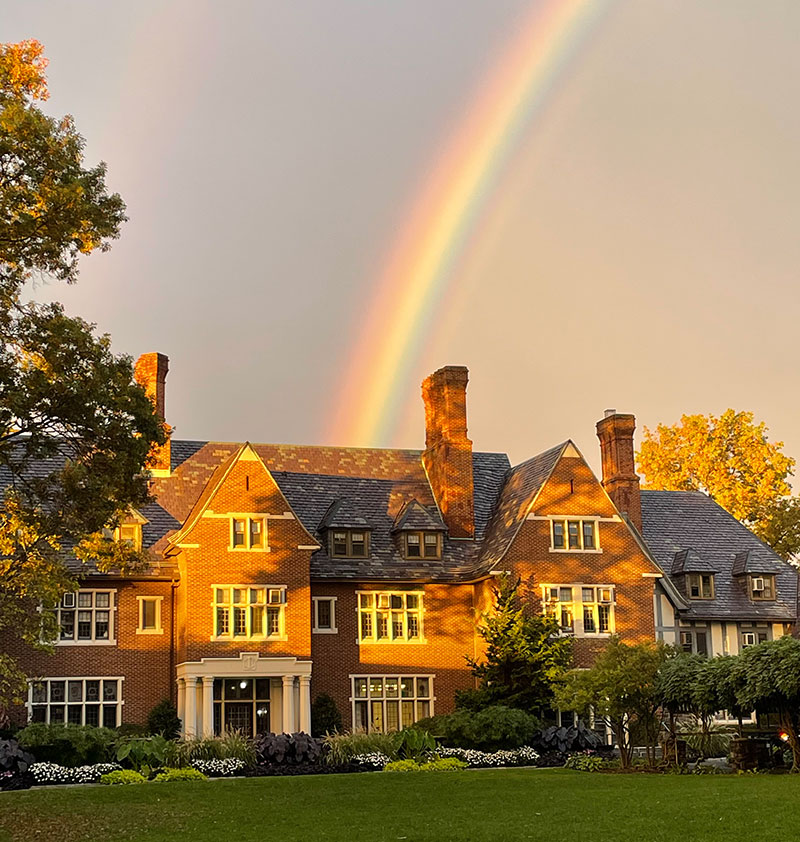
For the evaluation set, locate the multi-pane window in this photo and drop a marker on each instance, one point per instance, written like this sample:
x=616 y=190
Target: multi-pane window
x=694 y=641
x=581 y=609
x=245 y=611
x=423 y=544
x=753 y=635
x=700 y=585
x=247 y=533
x=574 y=535
x=149 y=615
x=86 y=616
x=324 y=614
x=385 y=703
x=388 y=617
x=129 y=533
x=76 y=701
x=349 y=543
x=762 y=587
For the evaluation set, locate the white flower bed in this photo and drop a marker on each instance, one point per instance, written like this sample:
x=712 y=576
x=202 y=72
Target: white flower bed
x=219 y=768
x=524 y=756
x=52 y=773
x=374 y=760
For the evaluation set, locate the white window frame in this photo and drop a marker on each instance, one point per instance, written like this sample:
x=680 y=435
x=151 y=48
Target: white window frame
x=246 y=547
x=375 y=609
x=269 y=593
x=315 y=628
x=430 y=699
x=756 y=630
x=111 y=640
x=566 y=520
x=576 y=605
x=140 y=600
x=30 y=704
x=137 y=537
x=765 y=577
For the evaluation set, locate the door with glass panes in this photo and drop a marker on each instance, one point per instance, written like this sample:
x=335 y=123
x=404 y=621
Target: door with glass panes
x=241 y=704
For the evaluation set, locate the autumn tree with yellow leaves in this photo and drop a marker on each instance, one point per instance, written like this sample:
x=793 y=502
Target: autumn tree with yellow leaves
x=76 y=432
x=731 y=459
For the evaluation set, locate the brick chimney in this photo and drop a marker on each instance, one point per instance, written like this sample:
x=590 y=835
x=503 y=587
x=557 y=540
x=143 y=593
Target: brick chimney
x=151 y=373
x=448 y=451
x=620 y=479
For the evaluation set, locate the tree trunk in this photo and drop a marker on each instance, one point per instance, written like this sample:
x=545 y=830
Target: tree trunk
x=789 y=724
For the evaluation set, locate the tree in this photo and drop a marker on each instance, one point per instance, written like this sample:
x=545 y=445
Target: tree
x=621 y=690
x=163 y=719
x=525 y=654
x=768 y=681
x=675 y=687
x=76 y=432
x=52 y=208
x=731 y=459
x=325 y=716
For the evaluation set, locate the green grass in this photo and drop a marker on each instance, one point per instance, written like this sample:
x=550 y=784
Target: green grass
x=501 y=804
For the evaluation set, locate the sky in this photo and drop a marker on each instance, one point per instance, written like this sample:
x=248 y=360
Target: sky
x=638 y=249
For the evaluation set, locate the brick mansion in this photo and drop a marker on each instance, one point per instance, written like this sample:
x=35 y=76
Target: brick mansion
x=280 y=572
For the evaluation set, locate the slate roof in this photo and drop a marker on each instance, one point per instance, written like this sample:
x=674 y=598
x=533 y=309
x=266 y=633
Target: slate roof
x=674 y=522
x=415 y=516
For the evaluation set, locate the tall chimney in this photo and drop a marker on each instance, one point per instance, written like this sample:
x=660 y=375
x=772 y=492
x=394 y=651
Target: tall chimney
x=150 y=372
x=448 y=451
x=620 y=479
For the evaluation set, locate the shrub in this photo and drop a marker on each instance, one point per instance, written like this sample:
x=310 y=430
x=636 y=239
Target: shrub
x=168 y=775
x=525 y=756
x=488 y=729
x=325 y=716
x=122 y=777
x=14 y=760
x=584 y=762
x=163 y=720
x=220 y=768
x=567 y=739
x=414 y=744
x=287 y=748
x=343 y=748
x=68 y=745
x=450 y=764
x=401 y=766
x=142 y=753
x=51 y=773
x=131 y=729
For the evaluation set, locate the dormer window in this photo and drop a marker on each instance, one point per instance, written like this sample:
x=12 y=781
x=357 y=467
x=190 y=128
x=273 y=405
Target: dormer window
x=423 y=545
x=130 y=534
x=700 y=585
x=349 y=543
x=762 y=587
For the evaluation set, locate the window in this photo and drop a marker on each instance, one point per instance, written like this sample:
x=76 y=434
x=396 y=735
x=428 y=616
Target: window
x=423 y=544
x=350 y=543
x=753 y=635
x=129 y=533
x=581 y=610
x=387 y=617
x=76 y=701
x=762 y=587
x=246 y=611
x=574 y=535
x=700 y=585
x=694 y=641
x=150 y=615
x=385 y=703
x=242 y=704
x=86 y=617
x=247 y=533
x=324 y=614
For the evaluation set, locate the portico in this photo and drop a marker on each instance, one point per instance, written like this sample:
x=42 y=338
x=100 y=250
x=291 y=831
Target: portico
x=250 y=693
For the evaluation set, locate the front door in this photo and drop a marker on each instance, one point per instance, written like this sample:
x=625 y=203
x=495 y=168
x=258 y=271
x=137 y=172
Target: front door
x=239 y=717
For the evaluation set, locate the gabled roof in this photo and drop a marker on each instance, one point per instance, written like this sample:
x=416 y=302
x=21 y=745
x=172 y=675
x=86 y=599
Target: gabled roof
x=674 y=521
x=522 y=484
x=343 y=514
x=690 y=561
x=416 y=516
x=753 y=561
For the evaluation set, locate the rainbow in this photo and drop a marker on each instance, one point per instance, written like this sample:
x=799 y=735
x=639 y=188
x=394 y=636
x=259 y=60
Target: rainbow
x=420 y=267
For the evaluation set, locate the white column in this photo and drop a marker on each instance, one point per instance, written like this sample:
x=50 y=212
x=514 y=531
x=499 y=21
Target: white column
x=190 y=724
x=305 y=703
x=288 y=704
x=182 y=704
x=208 y=706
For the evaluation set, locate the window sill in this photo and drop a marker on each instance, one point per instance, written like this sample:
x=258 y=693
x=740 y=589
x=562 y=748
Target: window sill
x=249 y=549
x=416 y=642
x=325 y=631
x=86 y=643
x=581 y=552
x=242 y=639
x=149 y=631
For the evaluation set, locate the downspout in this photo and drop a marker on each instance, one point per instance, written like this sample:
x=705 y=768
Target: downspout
x=173 y=687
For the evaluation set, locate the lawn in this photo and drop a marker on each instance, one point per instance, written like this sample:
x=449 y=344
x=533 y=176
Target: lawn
x=498 y=804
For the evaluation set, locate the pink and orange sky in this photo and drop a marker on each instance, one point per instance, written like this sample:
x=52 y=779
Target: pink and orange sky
x=590 y=204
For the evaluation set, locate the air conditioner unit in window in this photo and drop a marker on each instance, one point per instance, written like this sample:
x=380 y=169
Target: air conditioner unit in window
x=758 y=583
x=749 y=639
x=276 y=596
x=383 y=600
x=605 y=594
x=68 y=600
